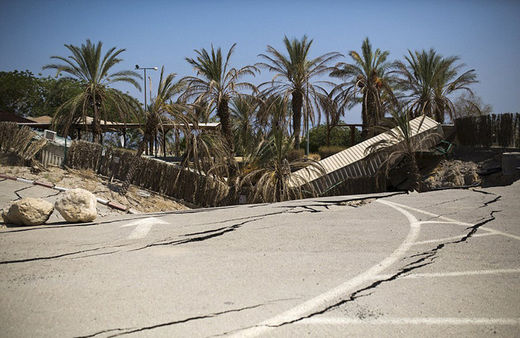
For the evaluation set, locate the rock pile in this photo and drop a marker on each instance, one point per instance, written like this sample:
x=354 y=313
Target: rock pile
x=454 y=173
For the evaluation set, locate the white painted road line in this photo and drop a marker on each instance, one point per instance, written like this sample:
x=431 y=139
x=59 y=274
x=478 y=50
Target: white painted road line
x=412 y=321
x=334 y=295
x=498 y=232
x=447 y=239
x=447 y=222
x=452 y=274
x=142 y=227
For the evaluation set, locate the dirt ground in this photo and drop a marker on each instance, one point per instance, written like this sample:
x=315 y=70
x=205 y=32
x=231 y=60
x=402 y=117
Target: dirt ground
x=138 y=200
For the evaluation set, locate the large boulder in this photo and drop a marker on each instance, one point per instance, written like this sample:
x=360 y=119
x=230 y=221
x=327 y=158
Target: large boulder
x=28 y=211
x=77 y=205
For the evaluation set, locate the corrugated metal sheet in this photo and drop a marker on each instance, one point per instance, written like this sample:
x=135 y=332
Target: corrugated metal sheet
x=349 y=160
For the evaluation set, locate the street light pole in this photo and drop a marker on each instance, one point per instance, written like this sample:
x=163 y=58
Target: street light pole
x=144 y=80
x=307 y=106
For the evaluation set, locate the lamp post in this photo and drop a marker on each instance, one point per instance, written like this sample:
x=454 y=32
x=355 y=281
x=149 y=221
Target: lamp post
x=144 y=80
x=307 y=122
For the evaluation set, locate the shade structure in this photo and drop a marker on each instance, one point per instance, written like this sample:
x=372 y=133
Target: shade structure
x=357 y=161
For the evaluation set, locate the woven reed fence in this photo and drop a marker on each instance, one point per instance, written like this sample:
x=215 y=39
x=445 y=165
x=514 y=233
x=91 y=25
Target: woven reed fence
x=489 y=130
x=164 y=178
x=21 y=141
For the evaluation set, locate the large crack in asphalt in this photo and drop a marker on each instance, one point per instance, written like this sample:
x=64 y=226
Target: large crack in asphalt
x=208 y=234
x=425 y=258
x=175 y=322
x=484 y=204
x=19 y=190
x=293 y=209
x=32 y=259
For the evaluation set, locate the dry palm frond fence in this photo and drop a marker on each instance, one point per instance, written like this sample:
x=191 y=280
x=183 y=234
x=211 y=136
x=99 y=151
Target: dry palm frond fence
x=165 y=178
x=21 y=141
x=489 y=130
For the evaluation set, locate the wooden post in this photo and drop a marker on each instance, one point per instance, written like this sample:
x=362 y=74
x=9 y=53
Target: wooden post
x=164 y=142
x=352 y=135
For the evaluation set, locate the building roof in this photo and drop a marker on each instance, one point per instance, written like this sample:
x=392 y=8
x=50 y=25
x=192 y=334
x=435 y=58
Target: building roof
x=12 y=117
x=42 y=119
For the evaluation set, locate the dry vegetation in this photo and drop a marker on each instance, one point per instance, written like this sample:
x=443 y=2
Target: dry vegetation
x=137 y=199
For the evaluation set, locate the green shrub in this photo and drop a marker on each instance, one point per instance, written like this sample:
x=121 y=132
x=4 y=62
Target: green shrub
x=328 y=151
x=339 y=136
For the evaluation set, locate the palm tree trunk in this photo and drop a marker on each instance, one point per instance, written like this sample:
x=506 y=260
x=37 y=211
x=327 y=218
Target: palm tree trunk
x=297 y=102
x=327 y=140
x=177 y=142
x=414 y=171
x=227 y=133
x=372 y=113
x=364 y=119
x=95 y=122
x=439 y=112
x=225 y=127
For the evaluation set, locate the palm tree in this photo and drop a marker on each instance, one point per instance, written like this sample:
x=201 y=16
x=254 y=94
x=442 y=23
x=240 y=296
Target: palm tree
x=333 y=108
x=271 y=178
x=91 y=68
x=294 y=74
x=402 y=147
x=155 y=117
x=368 y=75
x=429 y=79
x=215 y=85
x=244 y=110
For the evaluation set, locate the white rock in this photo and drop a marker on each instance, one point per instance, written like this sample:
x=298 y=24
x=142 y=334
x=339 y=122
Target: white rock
x=77 y=205
x=28 y=211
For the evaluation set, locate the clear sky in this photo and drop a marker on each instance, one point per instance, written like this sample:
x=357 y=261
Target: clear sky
x=484 y=34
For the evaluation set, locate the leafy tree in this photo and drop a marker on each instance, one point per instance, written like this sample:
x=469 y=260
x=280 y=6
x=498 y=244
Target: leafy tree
x=20 y=92
x=55 y=93
x=215 y=85
x=369 y=76
x=89 y=66
x=429 y=79
x=339 y=137
x=294 y=74
x=27 y=95
x=470 y=105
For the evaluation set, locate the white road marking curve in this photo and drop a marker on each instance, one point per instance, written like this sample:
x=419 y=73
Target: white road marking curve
x=412 y=321
x=331 y=296
x=498 y=232
x=453 y=274
x=447 y=239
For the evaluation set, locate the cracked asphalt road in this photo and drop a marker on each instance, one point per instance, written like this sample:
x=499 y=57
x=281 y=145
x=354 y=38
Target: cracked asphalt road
x=432 y=264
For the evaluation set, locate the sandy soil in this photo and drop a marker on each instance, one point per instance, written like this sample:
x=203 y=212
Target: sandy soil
x=138 y=200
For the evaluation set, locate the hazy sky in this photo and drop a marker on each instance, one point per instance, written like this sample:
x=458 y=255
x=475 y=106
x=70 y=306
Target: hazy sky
x=485 y=34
